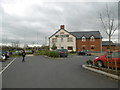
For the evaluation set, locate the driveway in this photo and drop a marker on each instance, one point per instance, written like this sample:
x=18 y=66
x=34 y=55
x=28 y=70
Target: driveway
x=44 y=72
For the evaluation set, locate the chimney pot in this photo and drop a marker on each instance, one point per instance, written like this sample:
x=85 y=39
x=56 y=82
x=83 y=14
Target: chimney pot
x=62 y=26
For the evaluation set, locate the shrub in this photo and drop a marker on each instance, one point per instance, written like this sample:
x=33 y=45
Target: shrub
x=73 y=52
x=54 y=47
x=2 y=60
x=48 y=53
x=41 y=52
x=89 y=62
x=52 y=54
x=15 y=55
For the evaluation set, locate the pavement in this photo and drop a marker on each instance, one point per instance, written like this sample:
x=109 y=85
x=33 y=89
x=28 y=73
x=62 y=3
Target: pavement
x=44 y=72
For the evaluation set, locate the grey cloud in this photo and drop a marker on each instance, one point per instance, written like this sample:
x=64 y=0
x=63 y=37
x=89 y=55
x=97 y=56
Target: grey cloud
x=45 y=20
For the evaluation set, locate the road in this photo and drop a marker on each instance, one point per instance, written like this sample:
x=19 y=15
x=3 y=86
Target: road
x=44 y=72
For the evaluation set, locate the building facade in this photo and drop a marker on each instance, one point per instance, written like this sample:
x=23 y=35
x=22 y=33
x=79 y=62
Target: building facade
x=76 y=41
x=105 y=46
x=63 y=39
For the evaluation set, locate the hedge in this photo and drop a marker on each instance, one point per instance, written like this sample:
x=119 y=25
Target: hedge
x=47 y=53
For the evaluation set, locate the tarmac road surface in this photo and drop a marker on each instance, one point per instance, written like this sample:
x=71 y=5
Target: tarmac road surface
x=44 y=72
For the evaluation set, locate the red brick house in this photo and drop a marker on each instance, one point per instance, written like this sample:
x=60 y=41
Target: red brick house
x=89 y=40
x=105 y=46
x=76 y=41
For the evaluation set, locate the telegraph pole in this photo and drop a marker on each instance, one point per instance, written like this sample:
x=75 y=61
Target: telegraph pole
x=6 y=40
x=37 y=40
x=45 y=40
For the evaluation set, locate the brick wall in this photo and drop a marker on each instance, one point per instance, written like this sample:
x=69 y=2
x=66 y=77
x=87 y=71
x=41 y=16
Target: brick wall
x=96 y=44
x=105 y=48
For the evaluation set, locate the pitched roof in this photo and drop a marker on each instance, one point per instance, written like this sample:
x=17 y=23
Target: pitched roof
x=57 y=32
x=87 y=34
x=105 y=43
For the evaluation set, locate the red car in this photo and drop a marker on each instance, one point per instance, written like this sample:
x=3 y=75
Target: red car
x=105 y=60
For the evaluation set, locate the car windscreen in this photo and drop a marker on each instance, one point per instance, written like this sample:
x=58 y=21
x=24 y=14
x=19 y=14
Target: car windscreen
x=63 y=50
x=58 y=50
x=116 y=55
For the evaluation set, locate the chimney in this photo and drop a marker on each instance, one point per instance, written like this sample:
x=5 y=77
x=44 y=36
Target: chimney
x=62 y=26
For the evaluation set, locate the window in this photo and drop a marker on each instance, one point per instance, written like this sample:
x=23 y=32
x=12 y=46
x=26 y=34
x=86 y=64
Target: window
x=56 y=35
x=108 y=47
x=83 y=38
x=62 y=47
x=54 y=40
x=69 y=39
x=116 y=55
x=92 y=38
x=83 y=47
x=70 y=48
x=92 y=47
x=61 y=39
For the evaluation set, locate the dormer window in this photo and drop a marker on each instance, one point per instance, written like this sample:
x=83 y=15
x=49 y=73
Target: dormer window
x=92 y=38
x=83 y=38
x=54 y=40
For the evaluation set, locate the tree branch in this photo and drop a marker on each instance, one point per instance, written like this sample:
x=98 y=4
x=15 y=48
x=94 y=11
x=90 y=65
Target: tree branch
x=112 y=23
x=114 y=30
x=103 y=24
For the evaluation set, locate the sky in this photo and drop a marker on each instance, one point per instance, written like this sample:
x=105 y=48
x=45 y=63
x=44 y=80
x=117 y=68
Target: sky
x=34 y=21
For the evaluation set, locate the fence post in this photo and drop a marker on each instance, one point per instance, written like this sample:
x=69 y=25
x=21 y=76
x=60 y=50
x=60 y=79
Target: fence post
x=115 y=66
x=107 y=64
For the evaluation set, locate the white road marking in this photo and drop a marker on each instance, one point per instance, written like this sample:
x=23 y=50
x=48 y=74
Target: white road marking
x=7 y=66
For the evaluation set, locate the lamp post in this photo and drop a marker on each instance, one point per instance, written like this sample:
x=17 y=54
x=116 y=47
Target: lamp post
x=101 y=43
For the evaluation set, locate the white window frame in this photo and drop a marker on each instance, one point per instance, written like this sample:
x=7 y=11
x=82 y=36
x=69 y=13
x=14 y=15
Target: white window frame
x=54 y=40
x=92 y=38
x=62 y=39
x=84 y=38
x=70 y=39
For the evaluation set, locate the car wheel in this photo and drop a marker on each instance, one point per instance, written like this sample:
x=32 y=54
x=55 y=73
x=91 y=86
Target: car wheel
x=99 y=64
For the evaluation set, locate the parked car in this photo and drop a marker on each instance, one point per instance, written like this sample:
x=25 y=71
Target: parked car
x=2 y=57
x=88 y=53
x=28 y=52
x=6 y=54
x=84 y=52
x=62 y=52
x=109 y=59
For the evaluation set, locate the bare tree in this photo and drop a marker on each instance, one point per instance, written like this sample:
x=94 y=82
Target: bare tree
x=108 y=22
x=15 y=44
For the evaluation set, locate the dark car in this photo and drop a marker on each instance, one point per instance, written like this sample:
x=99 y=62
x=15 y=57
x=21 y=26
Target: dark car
x=84 y=52
x=88 y=53
x=62 y=52
x=2 y=57
x=6 y=54
x=28 y=51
